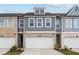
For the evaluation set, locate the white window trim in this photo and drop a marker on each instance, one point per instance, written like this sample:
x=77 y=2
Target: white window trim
x=37 y=22
x=45 y=23
x=67 y=24
x=8 y=26
x=20 y=23
x=29 y=22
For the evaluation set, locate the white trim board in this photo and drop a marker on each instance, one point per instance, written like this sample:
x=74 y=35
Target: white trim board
x=39 y=31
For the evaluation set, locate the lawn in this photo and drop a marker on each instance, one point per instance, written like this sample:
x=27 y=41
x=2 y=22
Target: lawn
x=68 y=52
x=18 y=52
x=14 y=51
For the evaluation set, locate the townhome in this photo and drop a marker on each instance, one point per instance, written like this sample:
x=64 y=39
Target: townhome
x=40 y=29
x=8 y=29
x=70 y=28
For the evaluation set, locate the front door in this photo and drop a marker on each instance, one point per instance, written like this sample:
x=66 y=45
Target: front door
x=58 y=39
x=20 y=40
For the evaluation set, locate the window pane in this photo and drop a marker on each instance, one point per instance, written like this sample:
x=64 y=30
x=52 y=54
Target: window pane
x=47 y=20
x=10 y=22
x=39 y=22
x=31 y=20
x=58 y=24
x=1 y=23
x=31 y=24
x=21 y=21
x=37 y=11
x=41 y=11
x=21 y=25
x=68 y=23
x=76 y=23
x=47 y=24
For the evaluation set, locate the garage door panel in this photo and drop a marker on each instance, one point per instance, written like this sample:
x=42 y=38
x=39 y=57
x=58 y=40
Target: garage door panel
x=71 y=42
x=7 y=42
x=39 y=42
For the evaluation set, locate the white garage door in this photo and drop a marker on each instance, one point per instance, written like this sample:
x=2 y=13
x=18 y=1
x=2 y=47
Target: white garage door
x=71 y=42
x=39 y=42
x=7 y=42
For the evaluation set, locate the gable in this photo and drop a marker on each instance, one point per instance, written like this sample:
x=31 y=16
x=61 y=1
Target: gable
x=74 y=11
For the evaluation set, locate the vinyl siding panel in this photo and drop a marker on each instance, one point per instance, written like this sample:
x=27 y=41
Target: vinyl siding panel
x=69 y=29
x=40 y=29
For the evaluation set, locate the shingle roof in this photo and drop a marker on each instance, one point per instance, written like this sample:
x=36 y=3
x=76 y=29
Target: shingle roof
x=46 y=14
x=11 y=14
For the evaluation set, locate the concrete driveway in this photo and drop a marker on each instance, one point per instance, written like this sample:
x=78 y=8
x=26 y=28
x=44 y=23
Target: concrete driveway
x=41 y=52
x=3 y=51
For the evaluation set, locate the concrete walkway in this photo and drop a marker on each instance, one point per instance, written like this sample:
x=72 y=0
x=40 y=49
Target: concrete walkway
x=76 y=50
x=41 y=52
x=3 y=51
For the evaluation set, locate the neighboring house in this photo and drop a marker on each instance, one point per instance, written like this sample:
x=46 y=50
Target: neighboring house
x=40 y=29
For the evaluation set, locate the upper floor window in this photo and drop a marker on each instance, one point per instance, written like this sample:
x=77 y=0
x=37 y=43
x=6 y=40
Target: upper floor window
x=39 y=22
x=2 y=23
x=9 y=22
x=58 y=22
x=76 y=23
x=37 y=11
x=21 y=23
x=41 y=11
x=58 y=25
x=47 y=22
x=68 y=23
x=31 y=22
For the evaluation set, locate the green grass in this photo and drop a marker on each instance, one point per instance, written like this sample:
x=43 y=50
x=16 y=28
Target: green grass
x=68 y=52
x=14 y=51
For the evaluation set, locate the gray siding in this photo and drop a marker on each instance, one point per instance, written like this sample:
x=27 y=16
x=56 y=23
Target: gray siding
x=69 y=29
x=40 y=29
x=20 y=29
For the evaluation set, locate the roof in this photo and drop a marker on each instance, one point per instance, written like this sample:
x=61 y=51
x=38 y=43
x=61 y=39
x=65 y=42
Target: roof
x=46 y=14
x=11 y=14
x=32 y=13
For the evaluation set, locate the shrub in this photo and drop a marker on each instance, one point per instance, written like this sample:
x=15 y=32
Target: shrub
x=13 y=48
x=70 y=48
x=65 y=47
x=56 y=46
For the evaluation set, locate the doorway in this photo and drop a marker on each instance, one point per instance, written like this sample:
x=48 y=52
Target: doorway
x=58 y=39
x=20 y=40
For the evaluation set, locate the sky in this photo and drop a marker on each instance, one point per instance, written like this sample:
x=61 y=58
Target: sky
x=54 y=8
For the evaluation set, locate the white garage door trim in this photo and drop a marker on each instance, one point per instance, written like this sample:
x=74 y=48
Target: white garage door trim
x=39 y=42
x=6 y=42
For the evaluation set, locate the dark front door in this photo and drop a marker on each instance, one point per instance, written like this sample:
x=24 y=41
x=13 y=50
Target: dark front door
x=58 y=39
x=20 y=40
